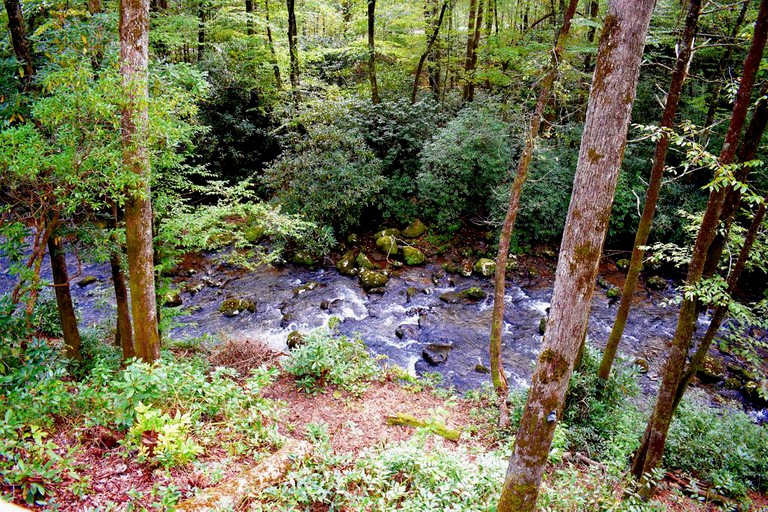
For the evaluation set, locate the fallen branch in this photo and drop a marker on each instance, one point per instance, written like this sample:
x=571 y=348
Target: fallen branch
x=708 y=494
x=434 y=427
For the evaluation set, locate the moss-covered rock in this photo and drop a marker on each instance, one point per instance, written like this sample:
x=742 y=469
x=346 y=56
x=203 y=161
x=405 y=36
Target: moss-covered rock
x=295 y=339
x=623 y=264
x=387 y=232
x=602 y=283
x=371 y=279
x=254 y=234
x=306 y=287
x=642 y=364
x=485 y=267
x=233 y=307
x=387 y=244
x=303 y=258
x=413 y=256
x=410 y=293
x=450 y=267
x=475 y=293
x=364 y=261
x=472 y=294
x=512 y=263
x=613 y=293
x=353 y=238
x=657 y=283
x=712 y=370
x=193 y=288
x=172 y=299
x=481 y=368
x=415 y=229
x=87 y=280
x=346 y=265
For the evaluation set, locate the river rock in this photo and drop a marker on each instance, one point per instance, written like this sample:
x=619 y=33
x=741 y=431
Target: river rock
x=233 y=307
x=386 y=232
x=485 y=267
x=436 y=353
x=295 y=339
x=346 y=265
x=371 y=279
x=712 y=370
x=613 y=293
x=413 y=256
x=472 y=294
x=451 y=268
x=407 y=332
x=481 y=368
x=379 y=290
x=602 y=283
x=172 y=299
x=364 y=261
x=387 y=244
x=303 y=258
x=642 y=364
x=415 y=229
x=87 y=280
x=466 y=268
x=475 y=293
x=193 y=288
x=410 y=293
x=623 y=264
x=307 y=287
x=657 y=283
x=512 y=263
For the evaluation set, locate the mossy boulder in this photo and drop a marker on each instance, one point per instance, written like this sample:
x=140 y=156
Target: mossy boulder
x=387 y=244
x=623 y=264
x=193 y=288
x=475 y=293
x=346 y=265
x=387 y=232
x=86 y=281
x=172 y=299
x=295 y=339
x=613 y=293
x=233 y=307
x=602 y=283
x=657 y=283
x=307 y=287
x=254 y=234
x=642 y=364
x=371 y=279
x=512 y=263
x=712 y=370
x=353 y=238
x=481 y=368
x=485 y=267
x=303 y=258
x=451 y=268
x=364 y=261
x=413 y=256
x=410 y=293
x=471 y=294
x=415 y=229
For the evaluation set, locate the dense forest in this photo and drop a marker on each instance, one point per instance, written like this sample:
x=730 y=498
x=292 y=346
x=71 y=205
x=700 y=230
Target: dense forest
x=355 y=255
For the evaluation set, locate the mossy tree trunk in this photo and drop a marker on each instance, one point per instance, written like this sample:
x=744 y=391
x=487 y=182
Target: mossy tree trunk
x=473 y=39
x=372 y=52
x=293 y=51
x=423 y=58
x=19 y=41
x=602 y=150
x=654 y=187
x=134 y=50
x=500 y=277
x=66 y=310
x=652 y=444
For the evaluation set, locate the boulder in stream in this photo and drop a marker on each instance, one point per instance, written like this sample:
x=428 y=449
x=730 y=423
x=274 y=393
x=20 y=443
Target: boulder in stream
x=471 y=294
x=413 y=256
x=657 y=283
x=234 y=306
x=485 y=267
x=407 y=332
x=415 y=229
x=436 y=353
x=346 y=265
x=387 y=232
x=172 y=299
x=295 y=339
x=87 y=280
x=371 y=279
x=388 y=245
x=364 y=261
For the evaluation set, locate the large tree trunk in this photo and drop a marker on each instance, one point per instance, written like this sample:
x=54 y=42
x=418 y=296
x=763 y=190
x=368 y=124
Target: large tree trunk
x=597 y=172
x=470 y=45
x=685 y=53
x=249 y=17
x=471 y=62
x=372 y=52
x=67 y=316
x=21 y=47
x=651 y=449
x=497 y=318
x=134 y=47
x=424 y=55
x=293 y=51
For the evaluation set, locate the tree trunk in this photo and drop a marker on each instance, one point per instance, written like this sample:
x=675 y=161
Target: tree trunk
x=123 y=331
x=424 y=55
x=651 y=448
x=200 y=33
x=470 y=44
x=597 y=172
x=249 y=18
x=685 y=53
x=500 y=277
x=21 y=47
x=134 y=40
x=94 y=6
x=471 y=62
x=372 y=52
x=64 y=305
x=594 y=10
x=293 y=52
x=275 y=65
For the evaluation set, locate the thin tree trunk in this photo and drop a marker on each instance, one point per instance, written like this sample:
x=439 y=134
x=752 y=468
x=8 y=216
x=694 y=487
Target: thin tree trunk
x=134 y=48
x=124 y=330
x=94 y=6
x=594 y=10
x=424 y=55
x=200 y=33
x=471 y=64
x=500 y=277
x=21 y=47
x=651 y=448
x=67 y=316
x=685 y=53
x=372 y=52
x=293 y=51
x=249 y=17
x=273 y=53
x=470 y=44
x=602 y=149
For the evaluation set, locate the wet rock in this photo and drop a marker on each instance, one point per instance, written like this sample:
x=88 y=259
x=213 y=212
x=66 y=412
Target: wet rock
x=213 y=283
x=481 y=368
x=388 y=245
x=364 y=261
x=254 y=234
x=642 y=364
x=623 y=264
x=346 y=265
x=286 y=320
x=307 y=287
x=407 y=332
x=451 y=297
x=233 y=307
x=380 y=290
x=303 y=258
x=193 y=288
x=295 y=339
x=436 y=353
x=740 y=372
x=512 y=263
x=451 y=268
x=410 y=293
x=387 y=232
x=413 y=256
x=602 y=283
x=732 y=383
x=371 y=279
x=712 y=370
x=436 y=277
x=466 y=268
x=87 y=280
x=613 y=293
x=543 y=325
x=353 y=238
x=415 y=229
x=397 y=265
x=485 y=267
x=473 y=294
x=657 y=283
x=172 y=299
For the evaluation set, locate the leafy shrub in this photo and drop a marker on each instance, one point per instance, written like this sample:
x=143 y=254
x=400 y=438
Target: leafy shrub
x=162 y=436
x=45 y=317
x=723 y=446
x=463 y=164
x=329 y=358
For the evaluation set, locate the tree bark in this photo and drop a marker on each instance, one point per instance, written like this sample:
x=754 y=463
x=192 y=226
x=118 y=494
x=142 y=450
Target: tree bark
x=273 y=53
x=124 y=330
x=424 y=55
x=249 y=17
x=293 y=51
x=602 y=149
x=651 y=448
x=200 y=33
x=500 y=277
x=21 y=47
x=472 y=29
x=594 y=10
x=67 y=316
x=684 y=56
x=134 y=44
x=372 y=52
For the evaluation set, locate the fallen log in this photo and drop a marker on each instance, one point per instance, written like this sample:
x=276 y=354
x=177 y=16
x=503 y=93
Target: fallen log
x=231 y=494
x=433 y=426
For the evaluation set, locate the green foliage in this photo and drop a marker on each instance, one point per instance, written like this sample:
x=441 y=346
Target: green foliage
x=45 y=318
x=163 y=437
x=722 y=446
x=466 y=159
x=327 y=358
